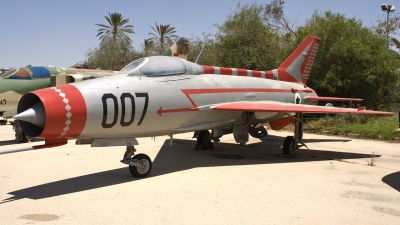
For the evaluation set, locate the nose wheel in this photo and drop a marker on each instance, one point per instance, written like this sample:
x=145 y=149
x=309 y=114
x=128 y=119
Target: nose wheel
x=139 y=165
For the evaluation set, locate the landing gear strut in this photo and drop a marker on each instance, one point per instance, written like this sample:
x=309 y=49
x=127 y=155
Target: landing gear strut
x=292 y=144
x=139 y=165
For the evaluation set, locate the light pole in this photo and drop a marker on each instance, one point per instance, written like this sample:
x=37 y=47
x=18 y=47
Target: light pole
x=388 y=9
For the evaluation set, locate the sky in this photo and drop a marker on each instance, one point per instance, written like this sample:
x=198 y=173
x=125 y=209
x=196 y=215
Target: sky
x=60 y=32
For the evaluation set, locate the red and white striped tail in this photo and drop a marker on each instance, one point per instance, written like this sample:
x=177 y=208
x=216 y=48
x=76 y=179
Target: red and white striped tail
x=296 y=68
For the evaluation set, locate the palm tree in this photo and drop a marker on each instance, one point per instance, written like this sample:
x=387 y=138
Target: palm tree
x=163 y=34
x=148 y=45
x=117 y=29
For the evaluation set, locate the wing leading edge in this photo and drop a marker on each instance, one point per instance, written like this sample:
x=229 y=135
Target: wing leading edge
x=272 y=106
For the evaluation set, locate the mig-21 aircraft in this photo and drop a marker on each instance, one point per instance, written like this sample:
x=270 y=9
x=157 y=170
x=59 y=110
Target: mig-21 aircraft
x=161 y=95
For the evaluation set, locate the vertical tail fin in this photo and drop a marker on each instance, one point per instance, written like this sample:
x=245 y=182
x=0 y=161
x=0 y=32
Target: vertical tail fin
x=297 y=66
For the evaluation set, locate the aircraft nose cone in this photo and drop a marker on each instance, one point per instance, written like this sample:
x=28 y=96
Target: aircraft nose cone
x=35 y=115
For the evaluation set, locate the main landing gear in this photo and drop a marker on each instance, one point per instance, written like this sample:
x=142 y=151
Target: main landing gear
x=292 y=143
x=139 y=165
x=204 y=140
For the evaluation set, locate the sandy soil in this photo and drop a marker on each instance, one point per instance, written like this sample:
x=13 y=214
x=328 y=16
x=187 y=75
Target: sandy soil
x=331 y=183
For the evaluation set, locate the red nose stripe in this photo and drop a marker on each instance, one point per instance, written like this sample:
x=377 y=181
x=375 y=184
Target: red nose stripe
x=65 y=111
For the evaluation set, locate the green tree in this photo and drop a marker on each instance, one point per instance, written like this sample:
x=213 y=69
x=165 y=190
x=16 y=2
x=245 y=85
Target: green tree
x=352 y=61
x=275 y=17
x=148 y=47
x=386 y=27
x=163 y=34
x=245 y=41
x=208 y=56
x=118 y=28
x=112 y=54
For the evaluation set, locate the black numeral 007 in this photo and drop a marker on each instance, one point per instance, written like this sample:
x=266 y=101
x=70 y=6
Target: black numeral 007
x=122 y=98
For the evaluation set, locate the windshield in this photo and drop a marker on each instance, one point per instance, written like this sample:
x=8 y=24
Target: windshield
x=163 y=66
x=131 y=66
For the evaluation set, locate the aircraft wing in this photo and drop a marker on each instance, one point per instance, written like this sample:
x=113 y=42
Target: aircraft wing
x=273 y=106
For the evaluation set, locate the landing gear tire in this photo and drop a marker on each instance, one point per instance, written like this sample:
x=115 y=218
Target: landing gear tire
x=204 y=140
x=143 y=169
x=289 y=146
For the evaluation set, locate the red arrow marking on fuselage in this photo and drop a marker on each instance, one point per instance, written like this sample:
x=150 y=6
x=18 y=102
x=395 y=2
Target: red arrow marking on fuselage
x=161 y=111
x=189 y=92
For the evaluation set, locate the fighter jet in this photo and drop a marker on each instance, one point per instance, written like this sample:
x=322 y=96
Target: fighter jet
x=162 y=95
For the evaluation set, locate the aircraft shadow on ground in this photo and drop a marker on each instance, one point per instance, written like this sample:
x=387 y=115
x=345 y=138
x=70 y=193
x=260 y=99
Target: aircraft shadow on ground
x=393 y=180
x=179 y=157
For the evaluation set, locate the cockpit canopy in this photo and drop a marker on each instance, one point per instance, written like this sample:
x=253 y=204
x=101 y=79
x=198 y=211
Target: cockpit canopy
x=161 y=66
x=31 y=72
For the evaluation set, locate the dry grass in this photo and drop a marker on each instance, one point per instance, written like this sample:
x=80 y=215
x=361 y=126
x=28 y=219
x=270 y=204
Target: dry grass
x=354 y=126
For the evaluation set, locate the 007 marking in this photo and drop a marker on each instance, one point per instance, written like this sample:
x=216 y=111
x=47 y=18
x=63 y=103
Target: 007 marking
x=123 y=98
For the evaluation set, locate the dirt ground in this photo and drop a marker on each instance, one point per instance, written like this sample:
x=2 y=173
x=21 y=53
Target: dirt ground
x=329 y=183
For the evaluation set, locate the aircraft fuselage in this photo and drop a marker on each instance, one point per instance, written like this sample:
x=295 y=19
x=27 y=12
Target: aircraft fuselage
x=140 y=106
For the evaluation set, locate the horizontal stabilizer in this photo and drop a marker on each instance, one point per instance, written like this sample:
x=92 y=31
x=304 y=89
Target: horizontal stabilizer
x=317 y=98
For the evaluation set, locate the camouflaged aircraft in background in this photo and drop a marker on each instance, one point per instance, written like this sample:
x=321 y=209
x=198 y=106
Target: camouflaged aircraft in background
x=179 y=49
x=31 y=78
x=5 y=72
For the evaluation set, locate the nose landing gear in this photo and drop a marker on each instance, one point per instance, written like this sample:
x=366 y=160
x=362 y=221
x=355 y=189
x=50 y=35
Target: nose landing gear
x=139 y=165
